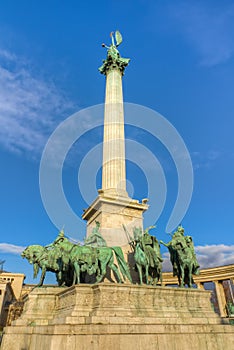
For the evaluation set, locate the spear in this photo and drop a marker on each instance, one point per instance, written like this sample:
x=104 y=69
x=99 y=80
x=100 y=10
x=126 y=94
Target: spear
x=129 y=238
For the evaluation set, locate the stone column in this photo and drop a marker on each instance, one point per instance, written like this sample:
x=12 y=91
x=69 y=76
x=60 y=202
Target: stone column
x=230 y=283
x=113 y=171
x=220 y=298
x=115 y=211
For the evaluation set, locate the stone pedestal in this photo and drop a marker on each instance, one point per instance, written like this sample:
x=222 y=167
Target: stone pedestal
x=115 y=316
x=112 y=213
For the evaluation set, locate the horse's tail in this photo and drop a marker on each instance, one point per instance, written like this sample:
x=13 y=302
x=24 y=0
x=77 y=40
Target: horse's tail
x=35 y=270
x=122 y=263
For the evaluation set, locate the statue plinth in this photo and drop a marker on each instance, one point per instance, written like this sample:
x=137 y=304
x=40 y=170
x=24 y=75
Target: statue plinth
x=115 y=316
x=113 y=212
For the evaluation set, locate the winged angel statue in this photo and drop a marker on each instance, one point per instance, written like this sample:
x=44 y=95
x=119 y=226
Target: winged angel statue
x=114 y=60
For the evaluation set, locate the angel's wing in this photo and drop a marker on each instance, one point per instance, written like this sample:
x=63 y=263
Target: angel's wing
x=118 y=38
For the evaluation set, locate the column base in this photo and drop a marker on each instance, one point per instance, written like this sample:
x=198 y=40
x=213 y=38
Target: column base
x=114 y=211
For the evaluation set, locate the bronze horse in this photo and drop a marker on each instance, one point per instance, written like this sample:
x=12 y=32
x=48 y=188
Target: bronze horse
x=70 y=260
x=96 y=260
x=183 y=263
x=48 y=260
x=147 y=256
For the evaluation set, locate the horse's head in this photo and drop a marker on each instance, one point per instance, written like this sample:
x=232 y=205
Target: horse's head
x=32 y=252
x=26 y=253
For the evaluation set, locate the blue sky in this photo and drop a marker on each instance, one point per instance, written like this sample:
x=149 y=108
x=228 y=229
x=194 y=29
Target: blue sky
x=182 y=66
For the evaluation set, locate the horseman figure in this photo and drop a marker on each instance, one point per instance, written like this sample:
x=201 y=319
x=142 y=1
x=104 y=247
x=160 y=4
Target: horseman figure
x=183 y=257
x=147 y=255
x=95 y=239
x=68 y=261
x=151 y=248
x=54 y=257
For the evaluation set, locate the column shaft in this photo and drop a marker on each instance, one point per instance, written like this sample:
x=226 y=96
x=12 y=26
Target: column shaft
x=113 y=171
x=220 y=298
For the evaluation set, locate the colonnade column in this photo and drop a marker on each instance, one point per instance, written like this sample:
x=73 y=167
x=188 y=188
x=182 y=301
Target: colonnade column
x=220 y=298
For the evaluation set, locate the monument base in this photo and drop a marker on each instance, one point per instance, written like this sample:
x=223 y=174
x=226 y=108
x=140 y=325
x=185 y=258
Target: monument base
x=113 y=212
x=118 y=316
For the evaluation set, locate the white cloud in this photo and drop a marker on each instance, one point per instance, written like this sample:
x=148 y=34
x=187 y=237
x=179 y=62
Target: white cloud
x=207 y=256
x=30 y=106
x=7 y=55
x=11 y=248
x=215 y=255
x=166 y=262
x=205 y=159
x=207 y=28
